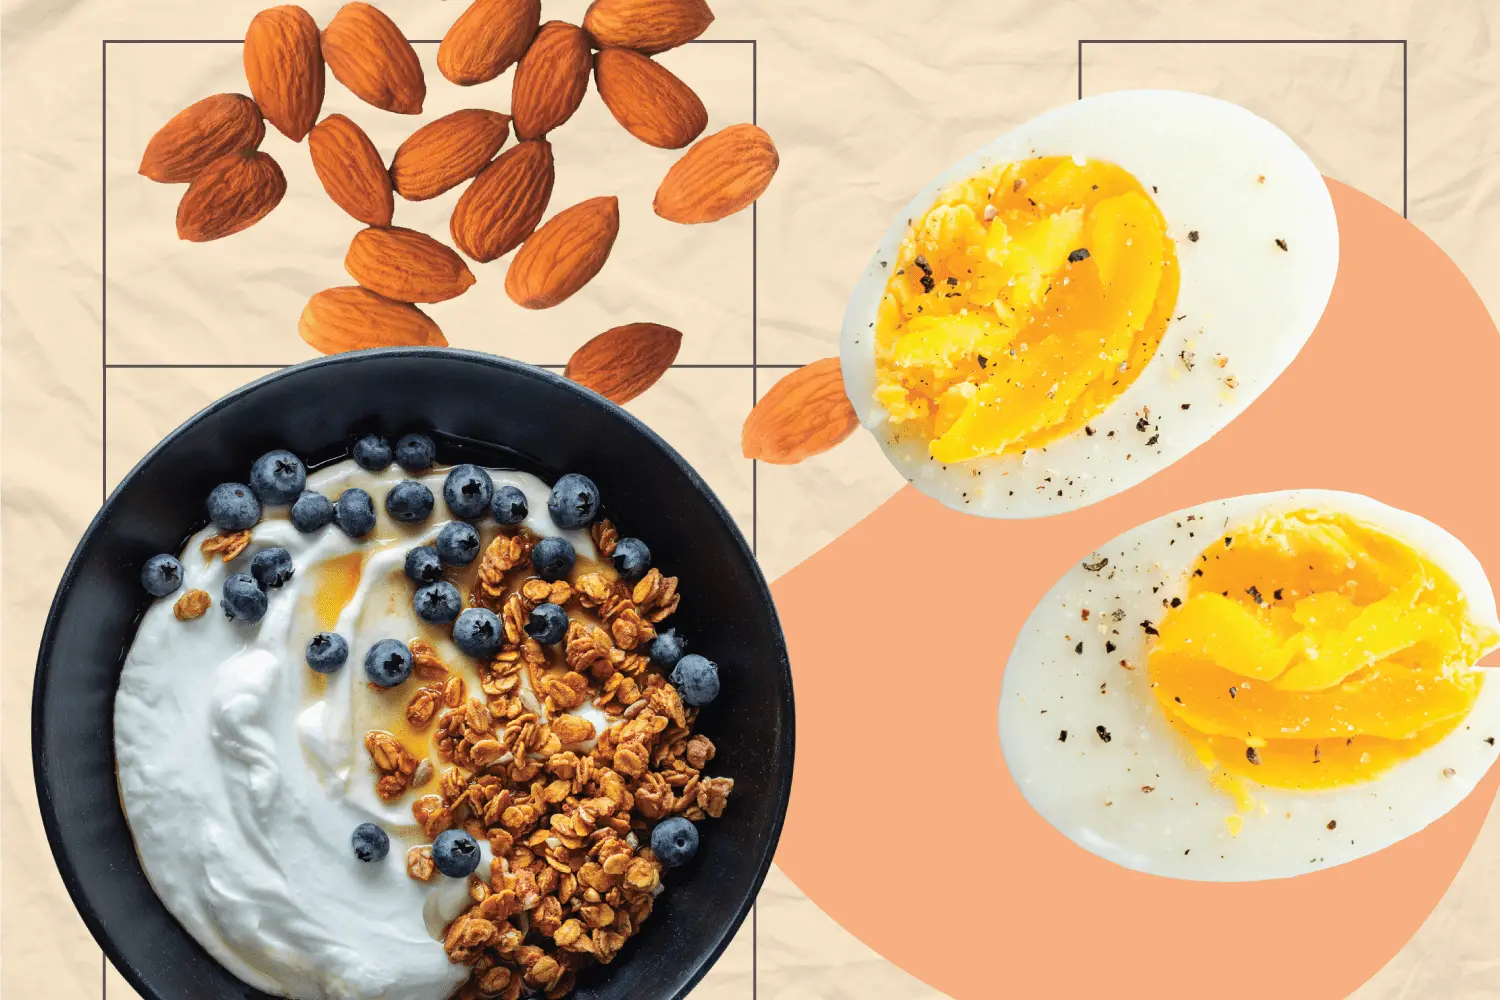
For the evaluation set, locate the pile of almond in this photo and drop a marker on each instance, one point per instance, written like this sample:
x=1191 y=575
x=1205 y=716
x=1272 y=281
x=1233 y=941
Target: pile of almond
x=213 y=147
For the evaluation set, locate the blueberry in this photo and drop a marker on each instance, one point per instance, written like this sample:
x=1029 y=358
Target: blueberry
x=415 y=452
x=674 y=841
x=423 y=565
x=327 y=652
x=161 y=575
x=355 y=512
x=278 y=476
x=631 y=558
x=547 y=624
x=552 y=558
x=468 y=489
x=371 y=843
x=574 y=501
x=388 y=663
x=372 y=452
x=667 y=648
x=458 y=543
x=243 y=599
x=509 y=505
x=232 y=507
x=696 y=678
x=478 y=633
x=409 y=502
x=455 y=853
x=437 y=603
x=272 y=567
x=311 y=512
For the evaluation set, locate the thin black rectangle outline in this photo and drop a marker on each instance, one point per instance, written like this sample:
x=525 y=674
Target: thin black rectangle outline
x=105 y=367
x=1277 y=41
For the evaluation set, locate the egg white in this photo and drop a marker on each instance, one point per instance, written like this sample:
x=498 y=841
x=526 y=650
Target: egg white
x=1091 y=790
x=1214 y=169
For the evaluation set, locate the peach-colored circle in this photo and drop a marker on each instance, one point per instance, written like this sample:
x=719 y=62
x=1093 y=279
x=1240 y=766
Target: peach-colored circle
x=905 y=826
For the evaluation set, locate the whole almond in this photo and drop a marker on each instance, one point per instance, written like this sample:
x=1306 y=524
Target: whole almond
x=369 y=55
x=232 y=193
x=487 y=39
x=718 y=177
x=200 y=134
x=443 y=154
x=653 y=104
x=351 y=170
x=622 y=363
x=648 y=26
x=284 y=64
x=407 y=266
x=505 y=203
x=804 y=414
x=551 y=79
x=353 y=318
x=564 y=255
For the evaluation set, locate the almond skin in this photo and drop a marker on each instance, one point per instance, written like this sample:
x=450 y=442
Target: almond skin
x=369 y=55
x=284 y=64
x=232 y=193
x=564 y=255
x=443 y=154
x=353 y=318
x=200 y=134
x=505 y=203
x=718 y=177
x=487 y=39
x=648 y=26
x=622 y=363
x=351 y=170
x=804 y=414
x=551 y=79
x=407 y=266
x=653 y=104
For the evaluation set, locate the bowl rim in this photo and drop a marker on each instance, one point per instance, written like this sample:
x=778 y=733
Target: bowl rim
x=786 y=738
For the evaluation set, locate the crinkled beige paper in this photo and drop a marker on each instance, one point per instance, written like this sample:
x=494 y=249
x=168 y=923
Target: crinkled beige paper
x=867 y=99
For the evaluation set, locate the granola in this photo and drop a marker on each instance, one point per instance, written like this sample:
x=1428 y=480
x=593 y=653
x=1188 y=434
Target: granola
x=565 y=808
x=192 y=605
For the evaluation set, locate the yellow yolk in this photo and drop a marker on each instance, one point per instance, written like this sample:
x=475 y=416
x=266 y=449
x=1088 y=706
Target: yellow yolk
x=1313 y=651
x=1022 y=305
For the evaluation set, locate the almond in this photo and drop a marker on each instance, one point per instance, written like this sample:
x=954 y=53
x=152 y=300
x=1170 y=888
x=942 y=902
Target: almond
x=721 y=175
x=505 y=203
x=232 y=193
x=353 y=318
x=648 y=26
x=369 y=55
x=200 y=134
x=487 y=39
x=551 y=79
x=351 y=170
x=804 y=414
x=284 y=64
x=622 y=363
x=443 y=154
x=646 y=98
x=407 y=266
x=565 y=254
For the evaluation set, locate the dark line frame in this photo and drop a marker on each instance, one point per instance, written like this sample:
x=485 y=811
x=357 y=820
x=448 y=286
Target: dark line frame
x=105 y=366
x=1280 y=41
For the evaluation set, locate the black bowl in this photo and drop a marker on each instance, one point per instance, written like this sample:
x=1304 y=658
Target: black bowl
x=480 y=408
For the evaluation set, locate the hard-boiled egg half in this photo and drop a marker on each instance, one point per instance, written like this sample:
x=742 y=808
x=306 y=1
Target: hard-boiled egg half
x=1256 y=687
x=1087 y=299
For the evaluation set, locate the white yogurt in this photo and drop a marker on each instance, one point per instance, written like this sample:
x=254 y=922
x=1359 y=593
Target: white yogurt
x=243 y=773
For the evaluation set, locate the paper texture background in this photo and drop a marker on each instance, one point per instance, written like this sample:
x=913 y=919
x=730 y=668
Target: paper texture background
x=867 y=101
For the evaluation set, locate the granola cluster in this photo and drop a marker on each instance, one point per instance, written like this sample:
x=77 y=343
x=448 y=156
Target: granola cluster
x=566 y=809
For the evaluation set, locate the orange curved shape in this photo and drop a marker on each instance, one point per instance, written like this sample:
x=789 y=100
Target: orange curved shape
x=905 y=825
